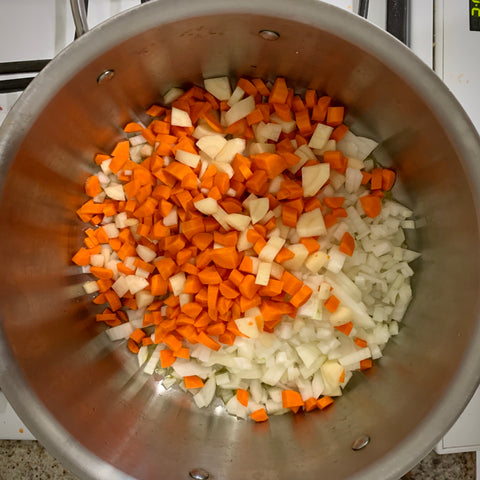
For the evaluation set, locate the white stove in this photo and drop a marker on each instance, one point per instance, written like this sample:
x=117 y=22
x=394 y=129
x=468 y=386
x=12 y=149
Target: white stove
x=439 y=33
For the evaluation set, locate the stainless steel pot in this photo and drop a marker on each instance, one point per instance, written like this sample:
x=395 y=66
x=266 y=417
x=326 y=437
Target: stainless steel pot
x=81 y=396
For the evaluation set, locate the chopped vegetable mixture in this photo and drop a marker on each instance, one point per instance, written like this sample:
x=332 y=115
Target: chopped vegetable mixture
x=243 y=246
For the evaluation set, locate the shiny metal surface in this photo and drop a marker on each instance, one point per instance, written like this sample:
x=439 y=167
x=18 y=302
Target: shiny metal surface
x=79 y=13
x=360 y=442
x=82 y=397
x=105 y=76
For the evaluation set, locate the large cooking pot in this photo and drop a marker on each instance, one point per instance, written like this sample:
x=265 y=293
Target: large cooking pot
x=81 y=395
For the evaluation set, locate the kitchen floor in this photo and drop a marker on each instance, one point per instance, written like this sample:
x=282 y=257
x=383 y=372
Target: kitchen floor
x=28 y=460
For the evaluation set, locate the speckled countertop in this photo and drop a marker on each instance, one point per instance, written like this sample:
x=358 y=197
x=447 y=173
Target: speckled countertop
x=28 y=460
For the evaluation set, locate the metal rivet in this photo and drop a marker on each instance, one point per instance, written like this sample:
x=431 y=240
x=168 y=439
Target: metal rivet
x=269 y=35
x=360 y=442
x=105 y=76
x=199 y=474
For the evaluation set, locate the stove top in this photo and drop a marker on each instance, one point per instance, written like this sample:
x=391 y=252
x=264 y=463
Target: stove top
x=443 y=33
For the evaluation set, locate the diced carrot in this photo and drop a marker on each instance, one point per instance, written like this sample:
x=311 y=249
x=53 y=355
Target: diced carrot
x=273 y=288
x=302 y=117
x=104 y=284
x=289 y=189
x=333 y=202
x=376 y=180
x=101 y=272
x=236 y=277
x=259 y=415
x=202 y=240
x=216 y=329
x=366 y=364
x=138 y=335
x=331 y=304
x=291 y=398
x=204 y=339
x=167 y=358
x=298 y=104
x=259 y=245
x=92 y=186
x=105 y=317
x=247 y=86
x=339 y=212
x=166 y=267
x=192 y=227
x=279 y=91
x=212 y=121
x=283 y=111
x=248 y=303
x=133 y=346
x=209 y=276
x=291 y=284
x=100 y=158
x=192 y=284
x=226 y=257
x=242 y=396
x=286 y=146
x=310 y=404
x=113 y=300
x=301 y=296
x=339 y=132
x=191 y=309
x=378 y=193
x=360 y=343
x=248 y=288
x=311 y=244
x=311 y=204
x=143 y=265
x=212 y=299
x=311 y=98
x=271 y=224
x=257 y=183
x=227 y=338
x=346 y=328
x=371 y=205
x=172 y=301
x=229 y=239
x=246 y=264
x=120 y=156
x=253 y=235
x=204 y=258
x=261 y=87
x=193 y=381
x=183 y=352
x=155 y=110
x=336 y=160
x=388 y=179
x=289 y=216
x=159 y=231
x=272 y=163
x=324 y=402
x=319 y=111
x=82 y=257
x=172 y=342
x=330 y=220
x=335 y=116
x=347 y=244
x=99 y=299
